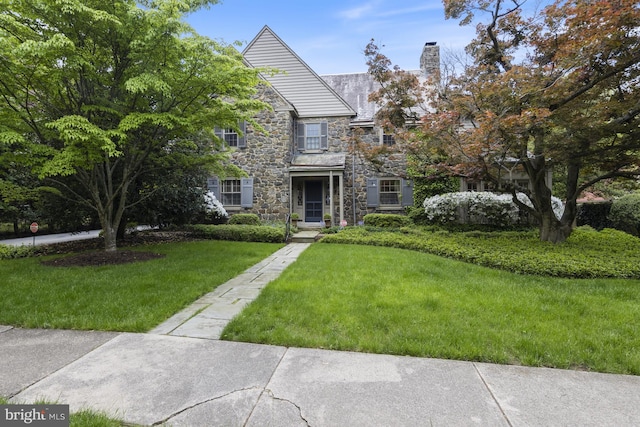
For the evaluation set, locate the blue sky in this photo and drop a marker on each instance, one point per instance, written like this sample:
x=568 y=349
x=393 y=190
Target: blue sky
x=330 y=35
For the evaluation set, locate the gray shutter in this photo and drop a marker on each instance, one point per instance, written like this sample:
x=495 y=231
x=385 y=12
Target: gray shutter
x=213 y=185
x=242 y=140
x=324 y=137
x=218 y=132
x=300 y=136
x=246 y=195
x=407 y=192
x=373 y=200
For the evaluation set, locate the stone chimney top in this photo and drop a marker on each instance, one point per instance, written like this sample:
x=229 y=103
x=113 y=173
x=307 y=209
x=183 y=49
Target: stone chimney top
x=430 y=59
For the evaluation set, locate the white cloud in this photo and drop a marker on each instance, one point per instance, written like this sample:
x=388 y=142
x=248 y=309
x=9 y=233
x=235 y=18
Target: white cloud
x=359 y=11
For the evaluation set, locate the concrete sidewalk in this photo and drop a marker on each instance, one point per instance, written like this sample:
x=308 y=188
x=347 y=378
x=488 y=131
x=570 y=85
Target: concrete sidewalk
x=156 y=379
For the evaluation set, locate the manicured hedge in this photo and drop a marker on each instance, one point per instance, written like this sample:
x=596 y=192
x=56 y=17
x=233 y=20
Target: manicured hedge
x=245 y=219
x=241 y=233
x=386 y=220
x=586 y=254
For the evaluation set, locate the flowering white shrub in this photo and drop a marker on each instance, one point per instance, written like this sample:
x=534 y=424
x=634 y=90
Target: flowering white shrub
x=213 y=207
x=480 y=208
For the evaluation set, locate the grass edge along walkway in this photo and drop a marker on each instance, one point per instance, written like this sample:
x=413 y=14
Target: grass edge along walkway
x=131 y=297
x=395 y=301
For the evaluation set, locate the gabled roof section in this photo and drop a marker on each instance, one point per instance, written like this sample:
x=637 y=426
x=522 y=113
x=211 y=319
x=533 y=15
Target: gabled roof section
x=310 y=95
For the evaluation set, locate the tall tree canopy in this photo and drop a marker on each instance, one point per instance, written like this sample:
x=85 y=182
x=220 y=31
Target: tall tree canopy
x=559 y=87
x=93 y=90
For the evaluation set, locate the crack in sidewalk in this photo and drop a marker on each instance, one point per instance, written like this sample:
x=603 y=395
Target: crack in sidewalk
x=213 y=399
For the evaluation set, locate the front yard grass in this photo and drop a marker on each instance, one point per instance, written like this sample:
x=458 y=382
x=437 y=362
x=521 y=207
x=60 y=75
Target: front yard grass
x=127 y=297
x=395 y=301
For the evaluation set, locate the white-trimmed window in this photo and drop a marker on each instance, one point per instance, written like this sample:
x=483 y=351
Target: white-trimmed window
x=231 y=192
x=312 y=136
x=231 y=137
x=389 y=192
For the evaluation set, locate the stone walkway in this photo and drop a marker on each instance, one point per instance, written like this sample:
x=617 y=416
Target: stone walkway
x=208 y=316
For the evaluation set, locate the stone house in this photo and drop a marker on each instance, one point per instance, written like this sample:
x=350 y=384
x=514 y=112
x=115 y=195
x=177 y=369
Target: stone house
x=305 y=163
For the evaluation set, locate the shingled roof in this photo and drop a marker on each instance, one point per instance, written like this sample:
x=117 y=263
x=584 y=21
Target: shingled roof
x=310 y=95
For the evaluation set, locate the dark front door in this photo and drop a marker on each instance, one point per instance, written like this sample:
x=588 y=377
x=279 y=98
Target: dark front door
x=313 y=201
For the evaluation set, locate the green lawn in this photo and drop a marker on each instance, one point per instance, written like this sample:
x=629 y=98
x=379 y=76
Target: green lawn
x=395 y=301
x=128 y=297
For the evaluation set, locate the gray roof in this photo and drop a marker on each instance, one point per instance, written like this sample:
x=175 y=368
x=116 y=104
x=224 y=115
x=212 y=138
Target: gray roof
x=355 y=89
x=297 y=83
x=307 y=162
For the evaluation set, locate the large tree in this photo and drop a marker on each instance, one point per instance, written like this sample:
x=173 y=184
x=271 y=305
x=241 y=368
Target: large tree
x=559 y=86
x=92 y=89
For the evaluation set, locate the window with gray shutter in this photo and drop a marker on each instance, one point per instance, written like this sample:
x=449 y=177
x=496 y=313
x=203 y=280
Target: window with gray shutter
x=214 y=186
x=407 y=192
x=231 y=137
x=247 y=192
x=312 y=136
x=372 y=192
x=301 y=136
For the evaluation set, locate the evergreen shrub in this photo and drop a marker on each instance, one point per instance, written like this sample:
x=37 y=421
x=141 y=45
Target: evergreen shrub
x=245 y=219
x=386 y=220
x=625 y=214
x=240 y=233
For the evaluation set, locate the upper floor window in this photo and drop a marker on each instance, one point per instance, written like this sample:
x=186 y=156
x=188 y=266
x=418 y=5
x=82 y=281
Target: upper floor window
x=388 y=139
x=312 y=136
x=231 y=136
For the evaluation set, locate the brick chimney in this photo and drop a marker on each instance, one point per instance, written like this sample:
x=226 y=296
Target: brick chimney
x=430 y=59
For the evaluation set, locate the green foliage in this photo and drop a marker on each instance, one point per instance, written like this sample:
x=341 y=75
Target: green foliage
x=10 y=252
x=625 y=213
x=107 y=93
x=132 y=297
x=240 y=233
x=245 y=219
x=386 y=220
x=595 y=215
x=424 y=187
x=586 y=254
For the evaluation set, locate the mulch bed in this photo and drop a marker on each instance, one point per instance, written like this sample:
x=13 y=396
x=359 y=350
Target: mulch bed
x=97 y=258
x=90 y=252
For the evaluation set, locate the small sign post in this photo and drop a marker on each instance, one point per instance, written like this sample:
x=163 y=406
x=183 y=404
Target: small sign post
x=34 y=229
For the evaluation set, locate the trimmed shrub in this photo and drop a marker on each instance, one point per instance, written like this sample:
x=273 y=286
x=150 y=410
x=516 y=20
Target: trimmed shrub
x=245 y=219
x=386 y=220
x=240 y=233
x=625 y=214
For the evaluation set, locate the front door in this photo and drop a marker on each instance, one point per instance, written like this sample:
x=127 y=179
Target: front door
x=313 y=201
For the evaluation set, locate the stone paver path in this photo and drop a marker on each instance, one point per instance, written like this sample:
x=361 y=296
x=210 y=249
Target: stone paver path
x=207 y=317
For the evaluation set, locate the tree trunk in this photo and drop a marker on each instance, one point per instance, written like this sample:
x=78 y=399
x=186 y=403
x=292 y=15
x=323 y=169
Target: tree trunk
x=552 y=229
x=109 y=233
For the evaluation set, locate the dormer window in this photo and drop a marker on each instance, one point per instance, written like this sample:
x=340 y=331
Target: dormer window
x=313 y=136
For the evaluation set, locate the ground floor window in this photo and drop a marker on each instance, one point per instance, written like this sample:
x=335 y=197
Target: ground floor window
x=390 y=190
x=231 y=192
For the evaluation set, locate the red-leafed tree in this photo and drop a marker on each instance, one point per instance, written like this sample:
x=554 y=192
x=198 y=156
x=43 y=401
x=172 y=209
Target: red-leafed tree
x=559 y=87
